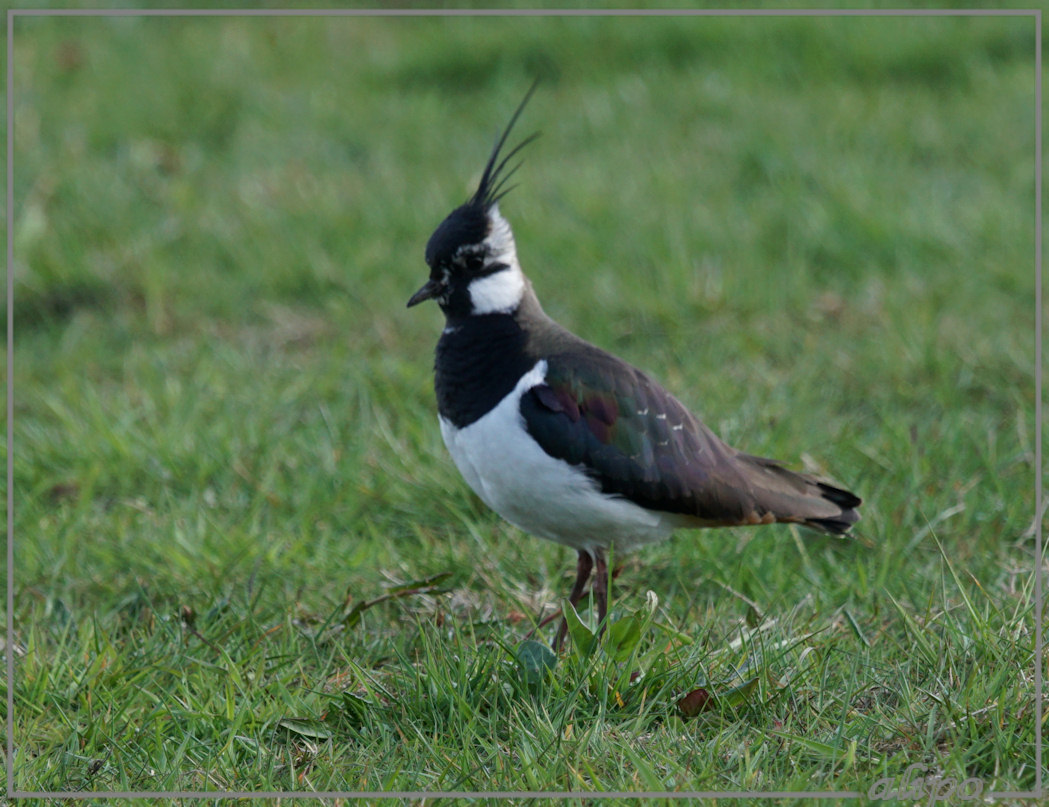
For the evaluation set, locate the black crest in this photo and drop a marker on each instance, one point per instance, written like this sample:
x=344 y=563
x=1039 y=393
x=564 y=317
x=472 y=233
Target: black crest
x=468 y=223
x=492 y=186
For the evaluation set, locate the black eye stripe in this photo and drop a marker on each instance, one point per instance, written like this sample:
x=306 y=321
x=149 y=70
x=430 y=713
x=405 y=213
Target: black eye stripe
x=492 y=268
x=475 y=266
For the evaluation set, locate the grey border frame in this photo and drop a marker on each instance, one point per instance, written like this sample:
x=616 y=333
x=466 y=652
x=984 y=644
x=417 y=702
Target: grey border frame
x=1036 y=13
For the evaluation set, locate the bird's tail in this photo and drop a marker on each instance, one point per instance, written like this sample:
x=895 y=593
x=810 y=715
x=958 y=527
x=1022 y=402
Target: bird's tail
x=800 y=498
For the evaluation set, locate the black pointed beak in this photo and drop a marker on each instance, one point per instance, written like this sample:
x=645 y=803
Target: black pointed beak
x=432 y=289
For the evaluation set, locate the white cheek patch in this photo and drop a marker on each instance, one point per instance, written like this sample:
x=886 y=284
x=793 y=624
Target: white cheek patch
x=498 y=292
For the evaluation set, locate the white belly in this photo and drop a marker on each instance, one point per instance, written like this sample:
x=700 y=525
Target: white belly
x=542 y=495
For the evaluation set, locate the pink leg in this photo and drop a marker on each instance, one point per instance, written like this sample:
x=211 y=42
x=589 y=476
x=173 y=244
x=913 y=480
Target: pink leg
x=583 y=569
x=601 y=588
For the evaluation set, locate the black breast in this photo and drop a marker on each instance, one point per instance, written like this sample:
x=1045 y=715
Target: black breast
x=479 y=361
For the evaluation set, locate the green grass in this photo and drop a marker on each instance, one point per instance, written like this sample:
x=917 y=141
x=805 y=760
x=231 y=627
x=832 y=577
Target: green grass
x=818 y=233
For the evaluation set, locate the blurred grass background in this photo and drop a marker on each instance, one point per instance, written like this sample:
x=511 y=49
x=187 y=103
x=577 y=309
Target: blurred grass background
x=817 y=232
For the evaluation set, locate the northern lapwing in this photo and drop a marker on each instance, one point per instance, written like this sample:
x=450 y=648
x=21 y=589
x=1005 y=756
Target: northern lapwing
x=567 y=441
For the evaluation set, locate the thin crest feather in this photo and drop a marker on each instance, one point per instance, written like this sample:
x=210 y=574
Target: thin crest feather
x=499 y=190
x=492 y=186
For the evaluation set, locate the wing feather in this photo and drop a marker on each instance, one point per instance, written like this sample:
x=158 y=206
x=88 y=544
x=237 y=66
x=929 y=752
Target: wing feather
x=632 y=436
x=639 y=442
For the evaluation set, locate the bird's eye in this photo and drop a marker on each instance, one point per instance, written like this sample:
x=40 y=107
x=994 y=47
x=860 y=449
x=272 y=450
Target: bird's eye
x=474 y=263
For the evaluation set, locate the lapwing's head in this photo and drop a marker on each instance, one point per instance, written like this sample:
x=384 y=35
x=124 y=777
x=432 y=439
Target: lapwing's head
x=471 y=255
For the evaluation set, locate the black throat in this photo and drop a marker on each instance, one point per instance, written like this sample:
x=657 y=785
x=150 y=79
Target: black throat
x=479 y=361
